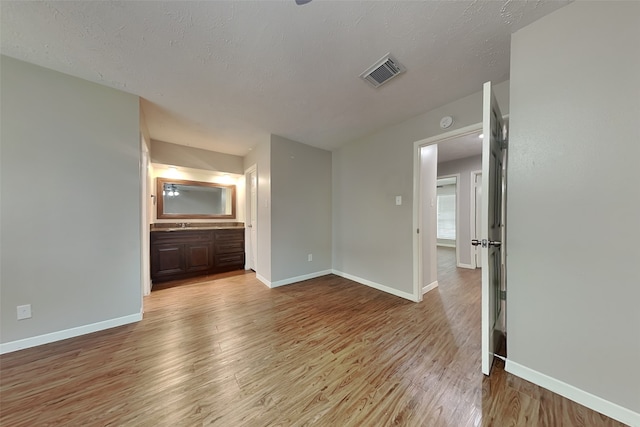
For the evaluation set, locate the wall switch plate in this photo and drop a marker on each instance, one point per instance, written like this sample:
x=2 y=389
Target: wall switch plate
x=310 y=257
x=24 y=311
x=398 y=200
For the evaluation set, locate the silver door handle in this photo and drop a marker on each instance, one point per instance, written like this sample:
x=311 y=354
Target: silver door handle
x=486 y=243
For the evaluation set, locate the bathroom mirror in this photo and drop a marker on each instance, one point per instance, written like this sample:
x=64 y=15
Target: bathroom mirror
x=183 y=199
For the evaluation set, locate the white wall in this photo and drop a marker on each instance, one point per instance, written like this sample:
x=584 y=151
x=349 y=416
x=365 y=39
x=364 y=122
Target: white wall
x=195 y=158
x=70 y=213
x=464 y=167
x=428 y=178
x=164 y=171
x=372 y=237
x=301 y=210
x=574 y=204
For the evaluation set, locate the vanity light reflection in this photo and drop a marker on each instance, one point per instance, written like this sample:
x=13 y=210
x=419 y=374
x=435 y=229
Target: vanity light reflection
x=170 y=190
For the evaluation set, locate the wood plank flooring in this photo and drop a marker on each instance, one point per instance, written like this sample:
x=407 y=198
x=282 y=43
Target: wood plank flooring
x=228 y=351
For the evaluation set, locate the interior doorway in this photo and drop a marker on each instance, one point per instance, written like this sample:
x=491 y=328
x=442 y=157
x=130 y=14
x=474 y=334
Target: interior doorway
x=493 y=215
x=454 y=154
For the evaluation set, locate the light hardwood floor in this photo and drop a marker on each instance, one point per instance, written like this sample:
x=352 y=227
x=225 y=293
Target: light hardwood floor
x=228 y=351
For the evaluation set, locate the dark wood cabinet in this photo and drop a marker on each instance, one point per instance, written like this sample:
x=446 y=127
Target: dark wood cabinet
x=229 y=249
x=188 y=253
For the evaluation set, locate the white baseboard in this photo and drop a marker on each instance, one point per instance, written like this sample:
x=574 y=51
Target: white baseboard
x=11 y=346
x=429 y=287
x=375 y=285
x=263 y=280
x=582 y=397
x=298 y=278
x=461 y=265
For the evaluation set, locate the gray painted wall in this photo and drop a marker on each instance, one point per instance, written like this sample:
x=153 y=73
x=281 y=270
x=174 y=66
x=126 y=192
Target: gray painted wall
x=574 y=201
x=464 y=167
x=301 y=209
x=190 y=157
x=70 y=213
x=372 y=237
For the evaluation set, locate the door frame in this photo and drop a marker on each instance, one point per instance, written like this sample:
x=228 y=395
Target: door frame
x=249 y=203
x=145 y=269
x=418 y=268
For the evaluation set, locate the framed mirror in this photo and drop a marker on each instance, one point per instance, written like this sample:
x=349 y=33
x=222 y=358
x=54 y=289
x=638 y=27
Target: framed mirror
x=183 y=199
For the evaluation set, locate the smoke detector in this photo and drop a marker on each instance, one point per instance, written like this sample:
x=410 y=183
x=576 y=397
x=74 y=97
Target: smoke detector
x=383 y=71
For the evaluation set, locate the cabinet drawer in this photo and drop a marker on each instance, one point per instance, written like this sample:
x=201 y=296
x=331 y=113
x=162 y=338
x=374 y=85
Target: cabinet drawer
x=227 y=260
x=229 y=235
x=229 y=247
x=187 y=236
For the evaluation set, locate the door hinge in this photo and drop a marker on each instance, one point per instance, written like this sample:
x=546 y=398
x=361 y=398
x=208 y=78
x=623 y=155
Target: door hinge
x=503 y=295
x=418 y=231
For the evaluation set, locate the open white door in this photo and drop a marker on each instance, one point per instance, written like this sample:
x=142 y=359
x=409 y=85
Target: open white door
x=491 y=225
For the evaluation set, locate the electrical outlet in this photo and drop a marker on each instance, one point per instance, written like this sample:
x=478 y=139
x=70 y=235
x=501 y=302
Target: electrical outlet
x=24 y=311
x=398 y=200
x=310 y=257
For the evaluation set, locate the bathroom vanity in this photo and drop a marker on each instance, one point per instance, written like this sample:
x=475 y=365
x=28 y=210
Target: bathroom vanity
x=179 y=253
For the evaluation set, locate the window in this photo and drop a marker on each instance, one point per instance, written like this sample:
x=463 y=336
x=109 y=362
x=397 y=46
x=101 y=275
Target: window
x=446 y=208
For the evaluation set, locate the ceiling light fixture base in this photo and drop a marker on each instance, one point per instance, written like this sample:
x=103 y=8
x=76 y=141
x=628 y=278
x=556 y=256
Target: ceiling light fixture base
x=446 y=122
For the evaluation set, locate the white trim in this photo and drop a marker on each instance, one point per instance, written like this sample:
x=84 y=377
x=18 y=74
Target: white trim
x=145 y=250
x=417 y=251
x=466 y=266
x=417 y=211
x=429 y=287
x=379 y=286
x=11 y=346
x=248 y=203
x=263 y=280
x=299 y=278
x=582 y=397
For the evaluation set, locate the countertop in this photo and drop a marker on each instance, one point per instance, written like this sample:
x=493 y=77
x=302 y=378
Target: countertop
x=220 y=227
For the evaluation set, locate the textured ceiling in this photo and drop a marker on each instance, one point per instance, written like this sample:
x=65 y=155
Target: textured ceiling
x=224 y=75
x=459 y=148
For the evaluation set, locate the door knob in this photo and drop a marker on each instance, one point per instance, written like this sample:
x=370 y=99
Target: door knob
x=486 y=243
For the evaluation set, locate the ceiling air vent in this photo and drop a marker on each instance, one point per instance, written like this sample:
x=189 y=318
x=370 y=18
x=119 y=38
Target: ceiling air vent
x=383 y=71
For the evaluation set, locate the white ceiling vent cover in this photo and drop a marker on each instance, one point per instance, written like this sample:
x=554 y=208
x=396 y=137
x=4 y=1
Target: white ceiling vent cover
x=383 y=71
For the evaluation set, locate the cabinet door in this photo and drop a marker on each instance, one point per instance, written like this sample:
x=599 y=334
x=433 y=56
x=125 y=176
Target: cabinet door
x=199 y=256
x=167 y=259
